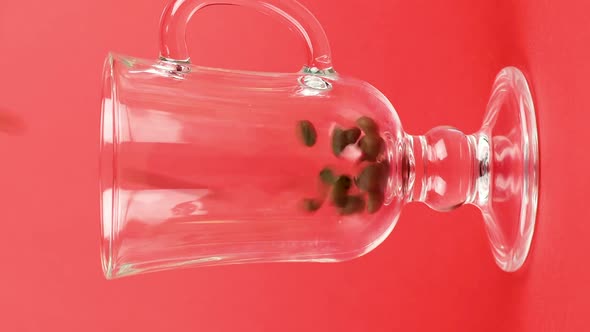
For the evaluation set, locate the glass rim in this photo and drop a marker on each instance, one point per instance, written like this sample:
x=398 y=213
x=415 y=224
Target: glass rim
x=107 y=156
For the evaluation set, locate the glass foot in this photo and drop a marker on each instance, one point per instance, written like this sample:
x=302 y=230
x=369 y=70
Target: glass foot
x=509 y=189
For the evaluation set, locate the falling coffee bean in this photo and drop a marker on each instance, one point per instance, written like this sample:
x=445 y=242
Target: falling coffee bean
x=338 y=141
x=306 y=132
x=342 y=138
x=372 y=178
x=375 y=201
x=344 y=181
x=354 y=204
x=371 y=146
x=368 y=125
x=311 y=204
x=327 y=176
x=352 y=135
x=340 y=190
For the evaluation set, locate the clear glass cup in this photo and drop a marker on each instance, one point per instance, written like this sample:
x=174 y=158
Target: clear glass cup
x=202 y=166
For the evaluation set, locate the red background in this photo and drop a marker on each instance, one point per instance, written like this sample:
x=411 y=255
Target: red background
x=435 y=60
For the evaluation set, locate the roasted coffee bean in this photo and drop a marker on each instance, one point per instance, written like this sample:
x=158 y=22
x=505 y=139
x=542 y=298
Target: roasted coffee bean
x=306 y=132
x=344 y=181
x=375 y=201
x=338 y=141
x=371 y=146
x=354 y=204
x=311 y=204
x=372 y=178
x=368 y=125
x=340 y=190
x=327 y=176
x=352 y=135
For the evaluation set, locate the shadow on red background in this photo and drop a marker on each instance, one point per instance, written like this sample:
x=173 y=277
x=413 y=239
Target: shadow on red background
x=11 y=123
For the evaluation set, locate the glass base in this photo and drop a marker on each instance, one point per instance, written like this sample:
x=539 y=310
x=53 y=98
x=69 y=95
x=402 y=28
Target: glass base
x=509 y=179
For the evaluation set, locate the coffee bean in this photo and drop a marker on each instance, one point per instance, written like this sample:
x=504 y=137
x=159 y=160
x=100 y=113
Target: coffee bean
x=306 y=132
x=375 y=201
x=311 y=204
x=354 y=204
x=338 y=141
x=340 y=190
x=342 y=138
x=372 y=178
x=352 y=135
x=368 y=125
x=327 y=176
x=371 y=146
x=344 y=181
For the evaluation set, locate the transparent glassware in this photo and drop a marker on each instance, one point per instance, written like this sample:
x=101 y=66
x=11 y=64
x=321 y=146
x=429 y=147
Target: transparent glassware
x=202 y=166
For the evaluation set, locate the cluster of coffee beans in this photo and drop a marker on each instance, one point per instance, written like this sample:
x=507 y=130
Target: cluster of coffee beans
x=370 y=181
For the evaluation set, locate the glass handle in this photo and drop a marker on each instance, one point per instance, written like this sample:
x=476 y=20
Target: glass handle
x=178 y=12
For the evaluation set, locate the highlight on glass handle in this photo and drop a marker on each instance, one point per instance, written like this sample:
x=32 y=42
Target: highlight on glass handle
x=177 y=14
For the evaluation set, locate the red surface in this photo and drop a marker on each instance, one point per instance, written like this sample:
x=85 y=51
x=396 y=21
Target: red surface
x=435 y=60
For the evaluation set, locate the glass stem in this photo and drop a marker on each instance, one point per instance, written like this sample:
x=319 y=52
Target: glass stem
x=445 y=168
